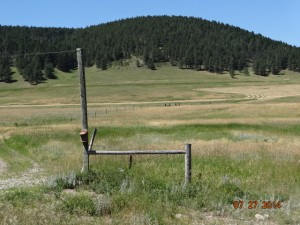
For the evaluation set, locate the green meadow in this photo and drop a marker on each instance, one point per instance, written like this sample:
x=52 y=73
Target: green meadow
x=244 y=133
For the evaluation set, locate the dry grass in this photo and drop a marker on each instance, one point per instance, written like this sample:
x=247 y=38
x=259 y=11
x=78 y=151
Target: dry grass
x=48 y=134
x=268 y=113
x=261 y=92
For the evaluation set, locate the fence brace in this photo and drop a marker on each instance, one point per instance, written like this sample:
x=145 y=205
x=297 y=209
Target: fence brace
x=187 y=152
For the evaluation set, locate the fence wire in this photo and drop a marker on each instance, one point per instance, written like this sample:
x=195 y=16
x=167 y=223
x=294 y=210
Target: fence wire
x=35 y=53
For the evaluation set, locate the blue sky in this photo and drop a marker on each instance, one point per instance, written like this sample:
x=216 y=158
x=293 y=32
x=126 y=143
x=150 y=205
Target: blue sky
x=277 y=19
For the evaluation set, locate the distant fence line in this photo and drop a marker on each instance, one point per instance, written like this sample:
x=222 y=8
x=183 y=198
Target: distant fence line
x=116 y=109
x=121 y=107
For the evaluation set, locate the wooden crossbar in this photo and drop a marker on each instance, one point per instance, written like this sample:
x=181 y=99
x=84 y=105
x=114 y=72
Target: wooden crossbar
x=136 y=152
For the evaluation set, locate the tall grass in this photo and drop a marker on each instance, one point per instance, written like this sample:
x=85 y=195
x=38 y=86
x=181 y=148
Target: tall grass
x=154 y=188
x=230 y=161
x=240 y=151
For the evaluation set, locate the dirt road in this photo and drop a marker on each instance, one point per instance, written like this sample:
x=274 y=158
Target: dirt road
x=29 y=177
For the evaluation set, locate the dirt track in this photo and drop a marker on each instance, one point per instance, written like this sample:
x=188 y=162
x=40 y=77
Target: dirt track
x=261 y=93
x=256 y=93
x=27 y=178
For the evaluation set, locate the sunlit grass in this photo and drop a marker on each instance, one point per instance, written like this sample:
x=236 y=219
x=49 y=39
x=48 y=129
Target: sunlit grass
x=246 y=150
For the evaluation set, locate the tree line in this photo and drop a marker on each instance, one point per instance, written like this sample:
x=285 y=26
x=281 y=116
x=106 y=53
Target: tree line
x=185 y=42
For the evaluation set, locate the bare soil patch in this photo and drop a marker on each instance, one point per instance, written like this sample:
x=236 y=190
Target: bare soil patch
x=3 y=166
x=27 y=178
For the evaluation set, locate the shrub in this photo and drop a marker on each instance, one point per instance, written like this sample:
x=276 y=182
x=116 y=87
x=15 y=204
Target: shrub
x=90 y=204
x=104 y=181
x=65 y=181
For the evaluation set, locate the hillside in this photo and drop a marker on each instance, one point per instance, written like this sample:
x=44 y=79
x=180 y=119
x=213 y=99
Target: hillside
x=244 y=132
x=185 y=42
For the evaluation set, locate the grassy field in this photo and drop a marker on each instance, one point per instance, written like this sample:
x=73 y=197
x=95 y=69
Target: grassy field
x=245 y=145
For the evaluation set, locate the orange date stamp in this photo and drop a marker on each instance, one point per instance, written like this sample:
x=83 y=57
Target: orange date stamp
x=253 y=204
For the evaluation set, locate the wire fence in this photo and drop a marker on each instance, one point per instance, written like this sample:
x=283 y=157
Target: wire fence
x=35 y=53
x=94 y=113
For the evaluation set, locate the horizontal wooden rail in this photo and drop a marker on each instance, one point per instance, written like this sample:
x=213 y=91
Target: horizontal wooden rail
x=136 y=152
x=187 y=152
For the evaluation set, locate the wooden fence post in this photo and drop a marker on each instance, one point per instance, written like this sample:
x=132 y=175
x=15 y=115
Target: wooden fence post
x=188 y=163
x=83 y=107
x=130 y=161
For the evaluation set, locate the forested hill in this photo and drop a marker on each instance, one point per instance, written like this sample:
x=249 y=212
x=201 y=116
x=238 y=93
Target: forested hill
x=186 y=42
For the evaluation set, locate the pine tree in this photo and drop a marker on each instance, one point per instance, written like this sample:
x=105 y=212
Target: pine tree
x=246 y=71
x=5 y=70
x=151 y=64
x=188 y=59
x=103 y=64
x=256 y=67
x=181 y=63
x=138 y=64
x=21 y=63
x=49 y=69
x=146 y=56
x=37 y=74
x=197 y=60
x=231 y=66
x=28 y=72
x=232 y=73
x=161 y=38
x=274 y=69
x=33 y=72
x=66 y=62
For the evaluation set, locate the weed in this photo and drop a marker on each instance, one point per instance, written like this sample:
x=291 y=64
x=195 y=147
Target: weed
x=80 y=205
x=104 y=181
x=230 y=190
x=22 y=197
x=103 y=205
x=65 y=181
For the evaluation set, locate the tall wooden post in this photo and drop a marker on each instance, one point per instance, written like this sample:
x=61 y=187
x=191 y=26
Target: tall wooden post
x=188 y=163
x=83 y=101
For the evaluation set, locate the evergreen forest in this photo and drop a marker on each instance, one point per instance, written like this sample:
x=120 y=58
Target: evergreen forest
x=185 y=42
